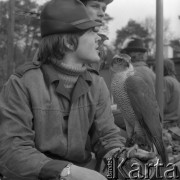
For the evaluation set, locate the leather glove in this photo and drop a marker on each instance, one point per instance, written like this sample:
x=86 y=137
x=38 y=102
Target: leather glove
x=127 y=163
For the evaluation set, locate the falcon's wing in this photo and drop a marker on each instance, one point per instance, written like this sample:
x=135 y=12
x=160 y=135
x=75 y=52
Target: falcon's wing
x=145 y=106
x=121 y=99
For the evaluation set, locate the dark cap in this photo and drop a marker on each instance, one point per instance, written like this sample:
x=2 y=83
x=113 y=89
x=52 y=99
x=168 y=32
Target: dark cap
x=106 y=1
x=133 y=45
x=65 y=16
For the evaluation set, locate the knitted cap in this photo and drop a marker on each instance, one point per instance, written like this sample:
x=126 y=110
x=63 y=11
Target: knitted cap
x=106 y=1
x=133 y=45
x=65 y=16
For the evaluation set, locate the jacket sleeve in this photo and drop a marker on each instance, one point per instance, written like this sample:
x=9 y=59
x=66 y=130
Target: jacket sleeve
x=104 y=133
x=19 y=158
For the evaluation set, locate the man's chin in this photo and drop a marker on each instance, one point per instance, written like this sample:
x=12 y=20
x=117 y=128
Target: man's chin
x=92 y=59
x=95 y=60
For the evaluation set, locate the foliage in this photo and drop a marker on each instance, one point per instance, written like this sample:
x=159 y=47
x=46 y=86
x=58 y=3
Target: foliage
x=26 y=32
x=150 y=24
x=132 y=28
x=145 y=30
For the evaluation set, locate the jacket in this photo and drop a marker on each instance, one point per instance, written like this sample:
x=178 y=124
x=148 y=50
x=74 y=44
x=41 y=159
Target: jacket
x=171 y=100
x=36 y=140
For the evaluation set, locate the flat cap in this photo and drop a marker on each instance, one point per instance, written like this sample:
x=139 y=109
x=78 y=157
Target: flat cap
x=65 y=16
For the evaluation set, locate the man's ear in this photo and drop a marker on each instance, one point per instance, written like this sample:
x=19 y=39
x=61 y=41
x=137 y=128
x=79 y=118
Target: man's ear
x=68 y=45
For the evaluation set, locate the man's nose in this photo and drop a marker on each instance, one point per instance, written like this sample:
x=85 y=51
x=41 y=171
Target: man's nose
x=101 y=13
x=98 y=37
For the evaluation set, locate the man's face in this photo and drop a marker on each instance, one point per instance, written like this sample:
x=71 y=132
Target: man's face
x=88 y=47
x=138 y=56
x=96 y=10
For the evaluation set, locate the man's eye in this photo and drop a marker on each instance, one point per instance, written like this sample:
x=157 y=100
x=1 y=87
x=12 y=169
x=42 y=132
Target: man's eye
x=104 y=9
x=95 y=6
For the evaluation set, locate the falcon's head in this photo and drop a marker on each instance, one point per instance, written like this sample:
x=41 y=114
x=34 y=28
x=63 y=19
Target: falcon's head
x=120 y=63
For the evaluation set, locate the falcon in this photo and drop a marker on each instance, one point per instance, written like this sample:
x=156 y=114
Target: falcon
x=138 y=106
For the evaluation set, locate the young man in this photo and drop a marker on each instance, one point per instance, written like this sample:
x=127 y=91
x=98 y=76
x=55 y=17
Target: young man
x=96 y=10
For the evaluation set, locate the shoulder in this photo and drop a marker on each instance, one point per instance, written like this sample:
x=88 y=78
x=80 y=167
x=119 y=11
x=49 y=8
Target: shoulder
x=23 y=69
x=171 y=82
x=145 y=68
x=25 y=76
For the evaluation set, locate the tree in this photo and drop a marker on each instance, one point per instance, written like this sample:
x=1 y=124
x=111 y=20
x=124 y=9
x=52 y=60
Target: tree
x=131 y=29
x=26 y=33
x=27 y=26
x=150 y=25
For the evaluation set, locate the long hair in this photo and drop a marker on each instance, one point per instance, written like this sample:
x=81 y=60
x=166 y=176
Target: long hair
x=54 y=46
x=169 y=68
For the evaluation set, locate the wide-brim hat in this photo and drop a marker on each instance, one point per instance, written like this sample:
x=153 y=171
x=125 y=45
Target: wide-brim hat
x=65 y=16
x=133 y=45
x=106 y=1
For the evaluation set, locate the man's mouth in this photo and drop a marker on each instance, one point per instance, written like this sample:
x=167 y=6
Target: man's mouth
x=99 y=21
x=98 y=50
x=98 y=47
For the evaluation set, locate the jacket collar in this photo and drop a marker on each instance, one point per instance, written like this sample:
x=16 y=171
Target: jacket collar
x=81 y=87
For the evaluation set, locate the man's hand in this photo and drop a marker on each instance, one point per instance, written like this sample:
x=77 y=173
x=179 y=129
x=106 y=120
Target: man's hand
x=126 y=158
x=135 y=152
x=80 y=173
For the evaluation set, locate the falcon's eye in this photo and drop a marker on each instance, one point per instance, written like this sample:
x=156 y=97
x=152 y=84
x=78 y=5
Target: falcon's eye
x=125 y=57
x=121 y=58
x=118 y=60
